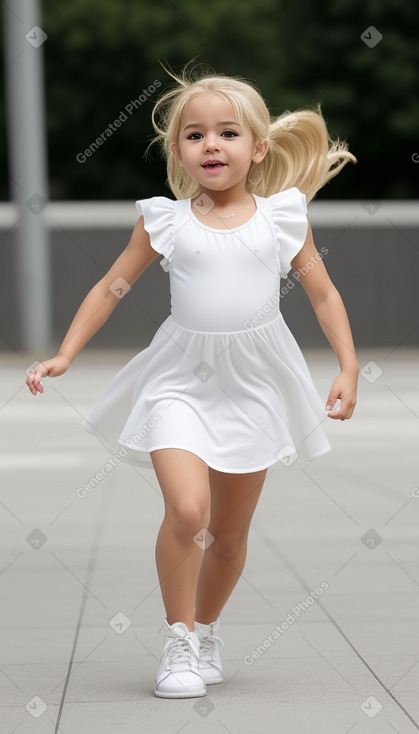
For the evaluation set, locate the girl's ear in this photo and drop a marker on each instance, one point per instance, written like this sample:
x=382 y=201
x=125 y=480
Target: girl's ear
x=176 y=152
x=261 y=148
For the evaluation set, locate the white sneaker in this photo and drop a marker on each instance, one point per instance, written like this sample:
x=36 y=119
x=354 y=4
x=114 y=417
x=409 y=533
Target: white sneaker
x=178 y=675
x=210 y=667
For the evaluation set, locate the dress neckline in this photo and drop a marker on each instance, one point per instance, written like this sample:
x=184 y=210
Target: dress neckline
x=229 y=229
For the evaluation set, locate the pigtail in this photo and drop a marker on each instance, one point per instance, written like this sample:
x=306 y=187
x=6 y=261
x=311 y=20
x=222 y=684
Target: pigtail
x=300 y=154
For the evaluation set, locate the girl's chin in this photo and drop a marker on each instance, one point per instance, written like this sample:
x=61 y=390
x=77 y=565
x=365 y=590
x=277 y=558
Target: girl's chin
x=214 y=183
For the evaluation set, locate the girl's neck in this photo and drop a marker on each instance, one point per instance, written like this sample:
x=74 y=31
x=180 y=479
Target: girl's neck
x=223 y=212
x=227 y=199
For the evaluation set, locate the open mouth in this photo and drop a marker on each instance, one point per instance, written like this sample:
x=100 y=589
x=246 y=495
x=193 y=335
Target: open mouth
x=213 y=166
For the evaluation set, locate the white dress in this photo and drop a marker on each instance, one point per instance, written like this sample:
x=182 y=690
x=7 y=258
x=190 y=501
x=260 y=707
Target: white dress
x=223 y=376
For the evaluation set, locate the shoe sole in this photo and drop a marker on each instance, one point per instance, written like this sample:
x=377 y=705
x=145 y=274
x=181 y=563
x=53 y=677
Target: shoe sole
x=212 y=682
x=161 y=694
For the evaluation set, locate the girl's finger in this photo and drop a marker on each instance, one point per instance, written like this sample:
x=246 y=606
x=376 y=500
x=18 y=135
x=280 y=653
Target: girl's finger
x=39 y=373
x=343 y=412
x=333 y=405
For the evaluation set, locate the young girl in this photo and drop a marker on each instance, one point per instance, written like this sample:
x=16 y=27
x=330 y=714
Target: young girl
x=223 y=391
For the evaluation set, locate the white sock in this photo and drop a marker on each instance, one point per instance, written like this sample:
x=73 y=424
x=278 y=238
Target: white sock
x=207 y=629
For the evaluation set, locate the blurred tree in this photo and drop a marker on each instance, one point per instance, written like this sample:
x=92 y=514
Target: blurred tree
x=101 y=54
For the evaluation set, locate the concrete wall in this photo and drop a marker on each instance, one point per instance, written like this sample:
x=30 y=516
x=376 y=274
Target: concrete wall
x=372 y=259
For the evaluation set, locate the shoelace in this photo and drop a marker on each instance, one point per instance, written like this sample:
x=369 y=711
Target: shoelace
x=179 y=651
x=207 y=647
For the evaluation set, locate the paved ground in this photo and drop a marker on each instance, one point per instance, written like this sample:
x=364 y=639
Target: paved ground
x=80 y=602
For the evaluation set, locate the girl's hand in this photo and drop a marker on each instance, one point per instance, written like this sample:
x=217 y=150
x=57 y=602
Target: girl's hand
x=51 y=368
x=344 y=387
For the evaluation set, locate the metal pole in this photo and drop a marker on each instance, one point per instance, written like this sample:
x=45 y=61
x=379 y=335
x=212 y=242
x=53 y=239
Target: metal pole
x=24 y=40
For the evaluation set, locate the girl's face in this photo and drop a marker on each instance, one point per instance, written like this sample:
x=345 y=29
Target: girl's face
x=213 y=148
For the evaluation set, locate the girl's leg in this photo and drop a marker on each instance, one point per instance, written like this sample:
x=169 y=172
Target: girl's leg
x=184 y=481
x=233 y=501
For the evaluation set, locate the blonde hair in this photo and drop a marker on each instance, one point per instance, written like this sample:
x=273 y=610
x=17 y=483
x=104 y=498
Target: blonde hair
x=300 y=151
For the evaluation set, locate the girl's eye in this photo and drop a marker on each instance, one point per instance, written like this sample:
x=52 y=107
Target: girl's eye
x=225 y=133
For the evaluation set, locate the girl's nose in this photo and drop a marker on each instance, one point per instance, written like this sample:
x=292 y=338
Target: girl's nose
x=211 y=143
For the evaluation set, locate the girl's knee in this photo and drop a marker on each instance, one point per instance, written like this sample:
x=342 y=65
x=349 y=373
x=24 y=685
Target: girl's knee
x=187 y=517
x=229 y=545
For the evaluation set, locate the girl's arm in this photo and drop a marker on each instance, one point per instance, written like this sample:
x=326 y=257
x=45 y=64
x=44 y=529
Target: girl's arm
x=98 y=305
x=332 y=317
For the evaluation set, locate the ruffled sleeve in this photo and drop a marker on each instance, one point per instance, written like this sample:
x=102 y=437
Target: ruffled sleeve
x=289 y=216
x=159 y=221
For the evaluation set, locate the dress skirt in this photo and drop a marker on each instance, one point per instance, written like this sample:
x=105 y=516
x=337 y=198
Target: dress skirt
x=240 y=400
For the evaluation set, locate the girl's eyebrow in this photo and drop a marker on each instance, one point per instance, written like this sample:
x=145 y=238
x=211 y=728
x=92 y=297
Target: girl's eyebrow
x=201 y=124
